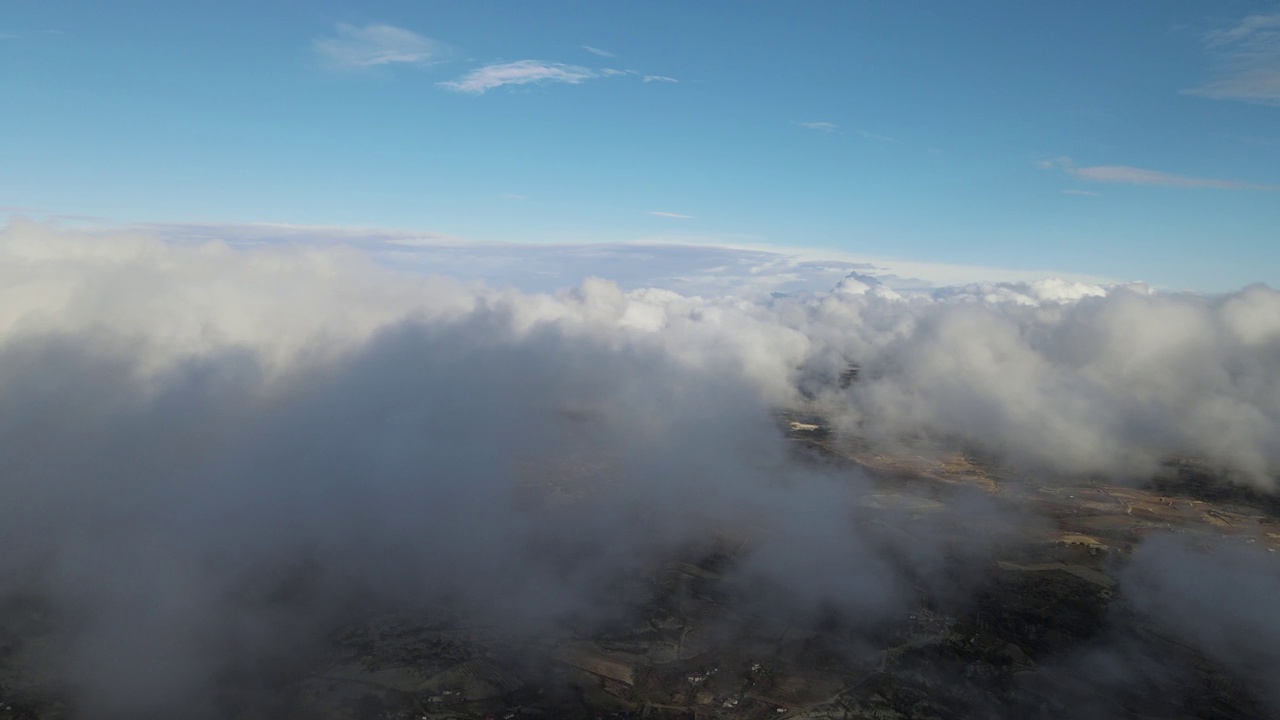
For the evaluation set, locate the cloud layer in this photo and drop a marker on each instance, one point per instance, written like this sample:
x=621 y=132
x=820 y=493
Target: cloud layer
x=1067 y=375
x=210 y=449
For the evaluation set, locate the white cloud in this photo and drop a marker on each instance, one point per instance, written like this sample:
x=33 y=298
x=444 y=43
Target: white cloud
x=1128 y=175
x=520 y=72
x=219 y=452
x=523 y=72
x=1048 y=291
x=661 y=213
x=356 y=48
x=817 y=125
x=225 y=439
x=1247 y=61
x=1077 y=375
x=598 y=51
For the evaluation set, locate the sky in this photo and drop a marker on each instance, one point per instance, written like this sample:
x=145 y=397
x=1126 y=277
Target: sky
x=1135 y=141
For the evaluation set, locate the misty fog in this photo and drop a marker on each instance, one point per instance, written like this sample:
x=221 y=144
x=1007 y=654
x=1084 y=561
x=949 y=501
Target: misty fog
x=208 y=453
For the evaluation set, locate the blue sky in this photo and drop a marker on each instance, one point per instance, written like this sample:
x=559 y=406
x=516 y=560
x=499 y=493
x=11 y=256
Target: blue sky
x=1136 y=140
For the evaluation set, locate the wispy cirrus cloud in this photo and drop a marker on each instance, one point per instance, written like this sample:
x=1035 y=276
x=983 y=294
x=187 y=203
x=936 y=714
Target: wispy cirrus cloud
x=677 y=216
x=615 y=72
x=524 y=72
x=820 y=126
x=1140 y=176
x=1128 y=175
x=520 y=72
x=1247 y=61
x=598 y=51
x=356 y=48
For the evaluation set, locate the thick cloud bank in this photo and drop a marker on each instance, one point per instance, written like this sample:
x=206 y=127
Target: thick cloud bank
x=207 y=451
x=1069 y=379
